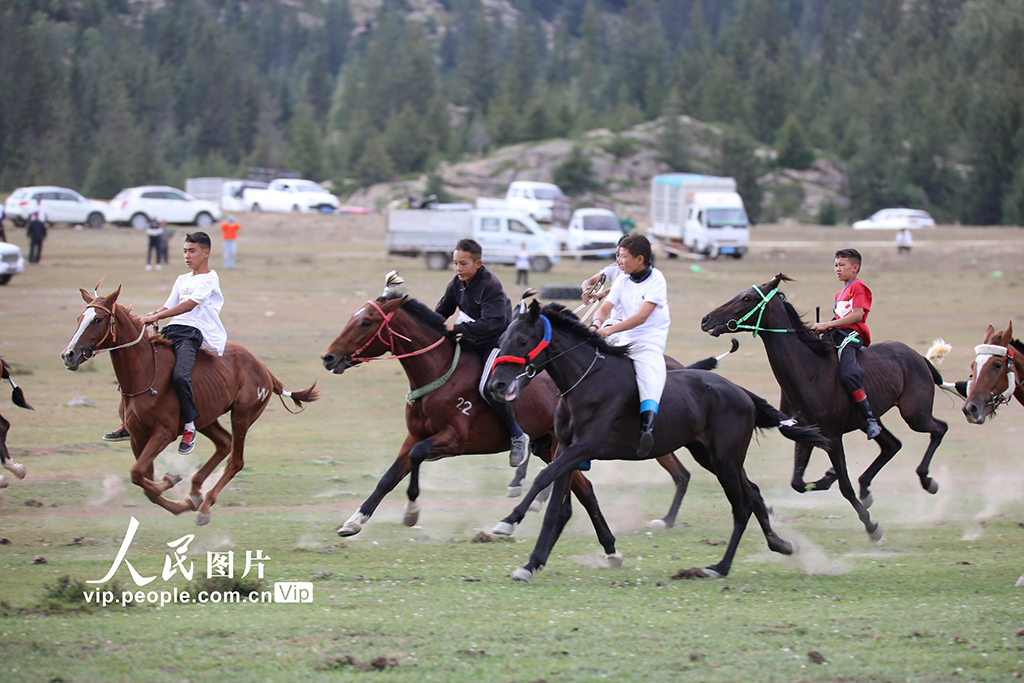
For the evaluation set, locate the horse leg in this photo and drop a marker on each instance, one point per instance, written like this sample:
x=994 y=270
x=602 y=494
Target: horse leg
x=937 y=428
x=515 y=487
x=838 y=457
x=889 y=446
x=142 y=473
x=681 y=476
x=565 y=461
x=538 y=503
x=555 y=519
x=221 y=439
x=762 y=513
x=584 y=491
x=385 y=485
x=240 y=423
x=420 y=452
x=801 y=458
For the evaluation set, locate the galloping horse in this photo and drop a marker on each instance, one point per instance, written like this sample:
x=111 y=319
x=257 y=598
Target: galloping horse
x=446 y=416
x=237 y=382
x=996 y=375
x=807 y=370
x=598 y=419
x=18 y=398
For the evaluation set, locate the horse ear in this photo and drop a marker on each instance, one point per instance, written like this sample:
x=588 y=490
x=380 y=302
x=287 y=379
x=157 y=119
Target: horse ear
x=534 y=309
x=393 y=304
x=85 y=296
x=112 y=298
x=988 y=334
x=1009 y=332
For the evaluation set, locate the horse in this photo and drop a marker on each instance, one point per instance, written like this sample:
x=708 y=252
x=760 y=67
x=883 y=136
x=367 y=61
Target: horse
x=446 y=415
x=598 y=419
x=18 y=398
x=807 y=369
x=996 y=375
x=237 y=382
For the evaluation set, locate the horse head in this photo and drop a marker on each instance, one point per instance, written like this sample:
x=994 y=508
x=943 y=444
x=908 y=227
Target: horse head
x=364 y=335
x=96 y=329
x=993 y=376
x=519 y=347
x=743 y=311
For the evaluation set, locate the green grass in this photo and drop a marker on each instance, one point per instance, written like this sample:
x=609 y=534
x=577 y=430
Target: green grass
x=934 y=601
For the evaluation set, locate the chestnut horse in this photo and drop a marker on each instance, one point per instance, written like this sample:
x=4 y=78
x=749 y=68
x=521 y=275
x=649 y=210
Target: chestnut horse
x=453 y=419
x=996 y=375
x=237 y=382
x=18 y=398
x=807 y=370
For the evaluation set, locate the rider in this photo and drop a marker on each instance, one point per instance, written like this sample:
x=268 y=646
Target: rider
x=194 y=307
x=484 y=313
x=848 y=331
x=643 y=298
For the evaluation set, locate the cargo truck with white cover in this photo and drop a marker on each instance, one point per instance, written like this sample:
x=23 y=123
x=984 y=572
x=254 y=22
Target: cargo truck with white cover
x=433 y=233
x=701 y=213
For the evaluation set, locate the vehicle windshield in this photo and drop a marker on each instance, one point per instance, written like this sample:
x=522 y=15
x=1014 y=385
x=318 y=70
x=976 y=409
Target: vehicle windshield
x=720 y=218
x=541 y=193
x=601 y=223
x=309 y=187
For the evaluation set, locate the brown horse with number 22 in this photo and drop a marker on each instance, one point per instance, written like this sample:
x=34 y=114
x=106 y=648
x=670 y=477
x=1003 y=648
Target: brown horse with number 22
x=237 y=382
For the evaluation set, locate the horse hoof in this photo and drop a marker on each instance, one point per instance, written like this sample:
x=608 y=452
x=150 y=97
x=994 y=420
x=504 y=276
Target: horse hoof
x=196 y=500
x=522 y=574
x=536 y=506
x=614 y=560
x=876 y=534
x=349 y=529
x=172 y=478
x=867 y=500
x=933 y=487
x=412 y=513
x=203 y=518
x=658 y=524
x=794 y=548
x=17 y=469
x=711 y=573
x=513 y=491
x=3 y=482
x=503 y=529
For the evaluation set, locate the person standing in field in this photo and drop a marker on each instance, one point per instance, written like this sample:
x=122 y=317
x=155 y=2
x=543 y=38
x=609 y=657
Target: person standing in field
x=36 y=234
x=154 y=233
x=229 y=232
x=523 y=266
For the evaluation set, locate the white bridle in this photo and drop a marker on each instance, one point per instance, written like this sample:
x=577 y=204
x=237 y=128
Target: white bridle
x=986 y=351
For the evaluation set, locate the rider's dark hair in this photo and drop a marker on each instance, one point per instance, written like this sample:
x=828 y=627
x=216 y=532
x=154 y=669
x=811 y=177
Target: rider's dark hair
x=851 y=254
x=199 y=237
x=471 y=246
x=637 y=245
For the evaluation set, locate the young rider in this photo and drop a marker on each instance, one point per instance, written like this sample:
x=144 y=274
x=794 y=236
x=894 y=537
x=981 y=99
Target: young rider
x=194 y=308
x=848 y=331
x=484 y=313
x=643 y=298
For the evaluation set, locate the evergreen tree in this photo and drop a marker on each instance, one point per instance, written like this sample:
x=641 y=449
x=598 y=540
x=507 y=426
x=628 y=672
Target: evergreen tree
x=671 y=143
x=740 y=162
x=375 y=165
x=794 y=150
x=575 y=174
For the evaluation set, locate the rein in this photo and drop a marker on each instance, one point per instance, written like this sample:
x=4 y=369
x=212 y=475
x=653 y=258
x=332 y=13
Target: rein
x=736 y=325
x=986 y=351
x=390 y=343
x=530 y=369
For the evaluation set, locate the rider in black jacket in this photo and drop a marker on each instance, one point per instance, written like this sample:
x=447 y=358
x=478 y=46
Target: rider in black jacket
x=484 y=313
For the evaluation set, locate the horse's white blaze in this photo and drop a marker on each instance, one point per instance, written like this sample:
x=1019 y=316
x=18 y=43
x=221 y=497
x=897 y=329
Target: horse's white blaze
x=359 y=312
x=86 y=319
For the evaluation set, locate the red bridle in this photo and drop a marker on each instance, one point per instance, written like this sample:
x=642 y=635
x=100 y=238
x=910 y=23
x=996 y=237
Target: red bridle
x=541 y=345
x=390 y=342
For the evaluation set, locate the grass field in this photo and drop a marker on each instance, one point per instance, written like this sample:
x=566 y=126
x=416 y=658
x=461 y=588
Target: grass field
x=934 y=601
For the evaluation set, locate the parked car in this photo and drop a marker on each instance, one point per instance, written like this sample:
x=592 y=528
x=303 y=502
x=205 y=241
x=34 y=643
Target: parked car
x=11 y=262
x=290 y=194
x=896 y=219
x=136 y=206
x=60 y=205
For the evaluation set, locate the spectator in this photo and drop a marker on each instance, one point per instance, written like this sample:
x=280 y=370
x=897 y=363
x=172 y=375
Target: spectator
x=523 y=266
x=165 y=235
x=229 y=232
x=155 y=235
x=36 y=233
x=3 y=233
x=904 y=241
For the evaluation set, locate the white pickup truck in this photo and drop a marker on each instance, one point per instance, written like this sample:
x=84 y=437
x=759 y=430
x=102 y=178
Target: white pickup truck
x=591 y=232
x=290 y=194
x=537 y=200
x=433 y=234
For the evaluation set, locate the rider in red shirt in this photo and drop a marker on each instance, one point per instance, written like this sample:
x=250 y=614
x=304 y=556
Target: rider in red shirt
x=848 y=331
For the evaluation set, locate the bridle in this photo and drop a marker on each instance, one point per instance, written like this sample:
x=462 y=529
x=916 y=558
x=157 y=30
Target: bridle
x=111 y=331
x=759 y=308
x=530 y=369
x=390 y=341
x=983 y=353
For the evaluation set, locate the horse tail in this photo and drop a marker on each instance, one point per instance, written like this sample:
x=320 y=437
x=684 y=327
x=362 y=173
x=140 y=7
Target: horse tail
x=17 y=395
x=938 y=351
x=298 y=397
x=769 y=417
x=711 y=362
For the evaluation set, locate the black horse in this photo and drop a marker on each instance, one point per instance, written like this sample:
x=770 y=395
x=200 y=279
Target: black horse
x=807 y=370
x=18 y=398
x=598 y=419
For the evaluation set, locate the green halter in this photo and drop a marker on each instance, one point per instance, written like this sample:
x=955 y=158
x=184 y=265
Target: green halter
x=735 y=325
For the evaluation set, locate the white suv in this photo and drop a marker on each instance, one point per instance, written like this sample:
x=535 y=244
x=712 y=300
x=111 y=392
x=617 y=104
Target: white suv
x=136 y=206
x=11 y=262
x=59 y=204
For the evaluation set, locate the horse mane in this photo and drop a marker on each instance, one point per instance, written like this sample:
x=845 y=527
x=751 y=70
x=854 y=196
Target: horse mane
x=1017 y=345
x=565 y=320
x=804 y=334
x=418 y=310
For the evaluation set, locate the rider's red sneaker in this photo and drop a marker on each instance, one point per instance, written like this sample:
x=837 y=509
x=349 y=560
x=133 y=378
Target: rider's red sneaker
x=188 y=442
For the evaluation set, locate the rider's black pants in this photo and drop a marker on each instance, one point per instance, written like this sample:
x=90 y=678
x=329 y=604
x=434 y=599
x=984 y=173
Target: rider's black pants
x=850 y=374
x=186 y=341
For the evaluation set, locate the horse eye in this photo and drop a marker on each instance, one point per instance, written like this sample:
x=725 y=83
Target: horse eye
x=997 y=366
x=96 y=320
x=746 y=299
x=365 y=323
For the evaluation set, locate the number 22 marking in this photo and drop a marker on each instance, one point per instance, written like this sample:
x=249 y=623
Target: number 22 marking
x=464 y=405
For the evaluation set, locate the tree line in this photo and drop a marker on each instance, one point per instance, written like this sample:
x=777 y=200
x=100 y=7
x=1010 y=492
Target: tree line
x=923 y=102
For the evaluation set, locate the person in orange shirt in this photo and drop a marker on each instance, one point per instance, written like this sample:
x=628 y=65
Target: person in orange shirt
x=229 y=232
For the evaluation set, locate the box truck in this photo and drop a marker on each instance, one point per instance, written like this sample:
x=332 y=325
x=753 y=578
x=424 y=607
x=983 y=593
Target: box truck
x=699 y=212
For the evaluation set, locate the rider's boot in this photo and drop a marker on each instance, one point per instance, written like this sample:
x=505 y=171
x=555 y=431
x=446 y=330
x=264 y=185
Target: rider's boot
x=872 y=428
x=646 y=433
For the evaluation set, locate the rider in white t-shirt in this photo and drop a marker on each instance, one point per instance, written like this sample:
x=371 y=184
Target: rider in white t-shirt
x=642 y=296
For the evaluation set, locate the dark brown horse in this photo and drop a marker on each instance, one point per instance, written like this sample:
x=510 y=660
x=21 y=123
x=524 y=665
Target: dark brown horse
x=237 y=382
x=807 y=370
x=453 y=419
x=18 y=398
x=996 y=375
